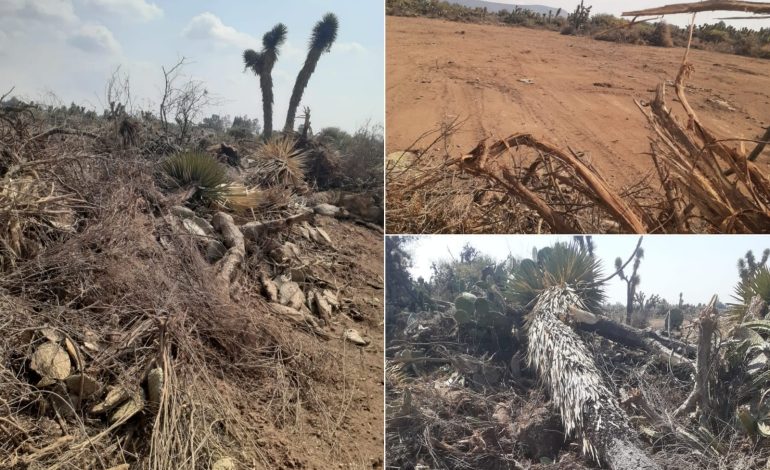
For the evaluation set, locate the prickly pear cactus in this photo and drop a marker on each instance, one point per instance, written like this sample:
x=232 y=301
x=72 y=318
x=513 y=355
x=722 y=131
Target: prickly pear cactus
x=478 y=310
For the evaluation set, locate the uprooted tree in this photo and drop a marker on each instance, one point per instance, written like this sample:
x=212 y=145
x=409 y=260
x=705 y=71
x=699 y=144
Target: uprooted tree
x=463 y=381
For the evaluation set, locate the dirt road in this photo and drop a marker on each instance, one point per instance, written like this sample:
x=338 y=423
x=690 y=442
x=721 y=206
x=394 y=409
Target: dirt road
x=571 y=91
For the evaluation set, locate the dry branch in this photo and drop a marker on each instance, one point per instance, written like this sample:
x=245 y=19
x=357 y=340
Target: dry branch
x=253 y=230
x=233 y=241
x=707 y=326
x=710 y=5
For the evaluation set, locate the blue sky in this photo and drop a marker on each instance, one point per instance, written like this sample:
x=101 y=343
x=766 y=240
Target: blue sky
x=698 y=266
x=71 y=47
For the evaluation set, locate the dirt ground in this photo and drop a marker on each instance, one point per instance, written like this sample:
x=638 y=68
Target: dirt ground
x=357 y=415
x=581 y=93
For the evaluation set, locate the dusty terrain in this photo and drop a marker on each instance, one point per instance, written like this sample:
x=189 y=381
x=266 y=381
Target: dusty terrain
x=581 y=93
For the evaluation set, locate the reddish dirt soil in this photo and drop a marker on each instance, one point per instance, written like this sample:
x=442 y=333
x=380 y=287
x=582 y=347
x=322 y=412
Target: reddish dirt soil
x=582 y=91
x=357 y=393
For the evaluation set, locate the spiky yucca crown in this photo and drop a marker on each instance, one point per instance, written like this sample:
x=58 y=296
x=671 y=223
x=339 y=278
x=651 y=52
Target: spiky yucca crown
x=271 y=41
x=325 y=33
x=564 y=265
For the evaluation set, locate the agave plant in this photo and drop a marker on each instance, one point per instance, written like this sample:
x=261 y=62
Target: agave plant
x=562 y=265
x=758 y=284
x=280 y=162
x=201 y=172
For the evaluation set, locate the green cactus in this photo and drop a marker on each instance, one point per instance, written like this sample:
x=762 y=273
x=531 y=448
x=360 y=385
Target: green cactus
x=470 y=308
x=674 y=319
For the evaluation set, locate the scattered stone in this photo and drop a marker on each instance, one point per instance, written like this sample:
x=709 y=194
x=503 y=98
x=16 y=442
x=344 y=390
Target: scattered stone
x=320 y=236
x=134 y=405
x=225 y=463
x=331 y=297
x=51 y=335
x=155 y=385
x=322 y=307
x=82 y=385
x=300 y=318
x=115 y=396
x=182 y=212
x=355 y=337
x=51 y=362
x=291 y=294
x=286 y=252
x=198 y=227
x=326 y=209
x=720 y=104
x=73 y=352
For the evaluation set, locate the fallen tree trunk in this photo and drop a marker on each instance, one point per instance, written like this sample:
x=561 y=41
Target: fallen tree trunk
x=697 y=7
x=631 y=337
x=587 y=407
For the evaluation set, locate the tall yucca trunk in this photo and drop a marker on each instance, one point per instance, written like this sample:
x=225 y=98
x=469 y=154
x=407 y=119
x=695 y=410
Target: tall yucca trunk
x=303 y=78
x=588 y=409
x=266 y=84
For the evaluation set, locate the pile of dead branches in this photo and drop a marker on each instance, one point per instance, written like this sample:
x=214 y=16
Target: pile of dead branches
x=461 y=395
x=138 y=331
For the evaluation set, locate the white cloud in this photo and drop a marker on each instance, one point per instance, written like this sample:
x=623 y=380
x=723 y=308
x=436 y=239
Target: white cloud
x=95 y=39
x=40 y=10
x=208 y=26
x=139 y=9
x=351 y=47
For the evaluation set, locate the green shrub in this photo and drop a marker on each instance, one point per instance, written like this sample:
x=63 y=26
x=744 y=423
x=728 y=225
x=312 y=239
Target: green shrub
x=661 y=37
x=194 y=169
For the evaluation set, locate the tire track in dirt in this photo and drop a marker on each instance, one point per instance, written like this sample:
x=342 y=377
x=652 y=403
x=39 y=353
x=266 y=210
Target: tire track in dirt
x=581 y=96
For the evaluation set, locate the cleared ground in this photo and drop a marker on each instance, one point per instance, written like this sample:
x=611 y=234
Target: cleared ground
x=572 y=91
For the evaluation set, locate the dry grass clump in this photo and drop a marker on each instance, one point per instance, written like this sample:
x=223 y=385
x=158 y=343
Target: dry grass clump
x=281 y=162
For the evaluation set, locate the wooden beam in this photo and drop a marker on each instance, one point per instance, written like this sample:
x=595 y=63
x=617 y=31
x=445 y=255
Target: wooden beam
x=709 y=5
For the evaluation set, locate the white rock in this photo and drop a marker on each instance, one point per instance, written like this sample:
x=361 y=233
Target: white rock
x=290 y=294
x=326 y=209
x=355 y=337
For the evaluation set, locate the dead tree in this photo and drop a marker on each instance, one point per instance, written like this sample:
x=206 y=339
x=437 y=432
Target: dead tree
x=588 y=409
x=709 y=5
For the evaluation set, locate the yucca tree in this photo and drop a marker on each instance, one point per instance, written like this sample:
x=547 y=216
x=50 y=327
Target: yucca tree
x=324 y=35
x=262 y=63
x=556 y=282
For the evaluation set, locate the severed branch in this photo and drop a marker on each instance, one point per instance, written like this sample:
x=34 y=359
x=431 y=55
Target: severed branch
x=709 y=5
x=745 y=18
x=760 y=146
x=253 y=230
x=233 y=240
x=707 y=326
x=629 y=336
